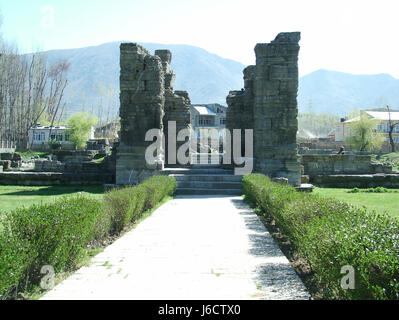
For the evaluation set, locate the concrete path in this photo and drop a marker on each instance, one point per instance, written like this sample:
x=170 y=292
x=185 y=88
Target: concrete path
x=193 y=247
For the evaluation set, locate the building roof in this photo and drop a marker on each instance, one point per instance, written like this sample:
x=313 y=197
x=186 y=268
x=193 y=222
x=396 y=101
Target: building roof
x=378 y=115
x=383 y=115
x=352 y=120
x=204 y=111
x=48 y=128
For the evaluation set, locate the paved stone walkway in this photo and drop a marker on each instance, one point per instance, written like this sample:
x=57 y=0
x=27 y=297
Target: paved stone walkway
x=193 y=247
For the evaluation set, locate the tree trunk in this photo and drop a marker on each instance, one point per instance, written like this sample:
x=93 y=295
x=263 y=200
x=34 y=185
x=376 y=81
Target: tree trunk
x=391 y=139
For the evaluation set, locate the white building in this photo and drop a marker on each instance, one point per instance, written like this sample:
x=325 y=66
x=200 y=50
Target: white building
x=342 y=128
x=205 y=118
x=39 y=136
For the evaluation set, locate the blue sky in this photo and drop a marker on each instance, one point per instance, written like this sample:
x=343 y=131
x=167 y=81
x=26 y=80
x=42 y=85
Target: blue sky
x=350 y=36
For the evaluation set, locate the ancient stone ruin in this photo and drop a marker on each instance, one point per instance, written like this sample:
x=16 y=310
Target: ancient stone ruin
x=268 y=104
x=147 y=101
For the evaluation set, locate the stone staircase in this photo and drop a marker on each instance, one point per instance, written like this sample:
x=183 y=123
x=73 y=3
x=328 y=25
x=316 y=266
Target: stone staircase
x=206 y=180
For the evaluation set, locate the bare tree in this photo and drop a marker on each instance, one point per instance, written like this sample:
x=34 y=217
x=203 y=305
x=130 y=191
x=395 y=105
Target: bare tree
x=58 y=84
x=391 y=127
x=30 y=90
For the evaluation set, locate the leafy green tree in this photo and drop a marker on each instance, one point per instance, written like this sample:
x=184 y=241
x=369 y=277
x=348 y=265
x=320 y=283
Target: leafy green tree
x=363 y=134
x=79 y=128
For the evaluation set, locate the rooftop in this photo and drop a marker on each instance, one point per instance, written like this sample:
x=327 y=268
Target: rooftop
x=39 y=127
x=204 y=111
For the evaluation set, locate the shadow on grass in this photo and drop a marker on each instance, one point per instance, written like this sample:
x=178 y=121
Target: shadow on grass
x=57 y=190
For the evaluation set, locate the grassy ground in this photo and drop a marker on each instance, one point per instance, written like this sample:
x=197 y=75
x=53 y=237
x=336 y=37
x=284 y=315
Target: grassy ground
x=12 y=197
x=26 y=155
x=380 y=202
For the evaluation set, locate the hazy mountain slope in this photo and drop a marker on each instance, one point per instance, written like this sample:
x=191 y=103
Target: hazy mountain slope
x=335 y=92
x=207 y=77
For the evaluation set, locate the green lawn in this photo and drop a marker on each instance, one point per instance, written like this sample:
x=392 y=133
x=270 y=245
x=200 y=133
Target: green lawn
x=12 y=197
x=26 y=155
x=380 y=202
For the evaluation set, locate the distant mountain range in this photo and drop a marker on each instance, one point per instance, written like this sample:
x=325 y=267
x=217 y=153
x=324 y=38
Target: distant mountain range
x=208 y=78
x=326 y=91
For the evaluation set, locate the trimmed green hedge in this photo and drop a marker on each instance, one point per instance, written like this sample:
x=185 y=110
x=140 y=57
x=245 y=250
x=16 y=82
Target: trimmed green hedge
x=126 y=205
x=331 y=234
x=57 y=233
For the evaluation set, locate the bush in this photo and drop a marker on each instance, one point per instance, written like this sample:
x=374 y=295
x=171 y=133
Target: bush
x=331 y=234
x=48 y=234
x=57 y=233
x=126 y=205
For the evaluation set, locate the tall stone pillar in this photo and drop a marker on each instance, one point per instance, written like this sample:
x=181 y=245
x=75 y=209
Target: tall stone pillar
x=268 y=105
x=240 y=111
x=275 y=108
x=142 y=100
x=177 y=106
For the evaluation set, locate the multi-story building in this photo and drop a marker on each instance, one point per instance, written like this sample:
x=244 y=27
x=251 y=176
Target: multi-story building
x=206 y=117
x=342 y=128
x=40 y=136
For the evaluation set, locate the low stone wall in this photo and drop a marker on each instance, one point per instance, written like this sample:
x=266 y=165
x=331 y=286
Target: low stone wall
x=74 y=156
x=357 y=181
x=14 y=159
x=334 y=164
x=6 y=164
x=54 y=178
x=74 y=167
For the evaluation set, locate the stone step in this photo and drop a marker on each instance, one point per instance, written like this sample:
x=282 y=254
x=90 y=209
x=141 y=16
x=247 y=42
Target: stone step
x=196 y=171
x=206 y=166
x=207 y=177
x=196 y=191
x=209 y=185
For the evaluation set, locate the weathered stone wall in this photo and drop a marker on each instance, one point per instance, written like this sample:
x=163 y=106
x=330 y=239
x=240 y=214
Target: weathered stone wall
x=142 y=99
x=315 y=165
x=268 y=104
x=6 y=164
x=177 y=108
x=357 y=181
x=276 y=109
x=54 y=178
x=240 y=113
x=15 y=159
x=104 y=167
x=177 y=103
x=147 y=101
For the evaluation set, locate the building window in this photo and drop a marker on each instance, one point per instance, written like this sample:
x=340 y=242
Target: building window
x=52 y=137
x=59 y=137
x=223 y=121
x=205 y=121
x=67 y=137
x=39 y=136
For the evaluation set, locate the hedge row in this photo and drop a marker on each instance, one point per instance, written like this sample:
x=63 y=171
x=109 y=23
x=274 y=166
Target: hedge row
x=57 y=233
x=332 y=234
